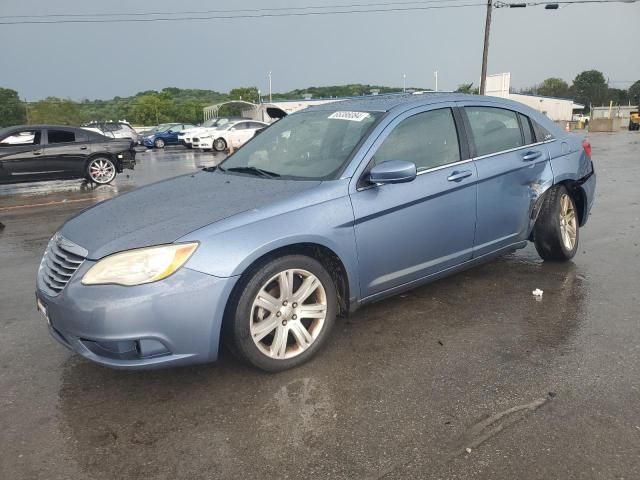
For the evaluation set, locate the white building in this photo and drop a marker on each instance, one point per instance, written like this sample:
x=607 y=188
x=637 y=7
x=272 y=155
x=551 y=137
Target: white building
x=557 y=109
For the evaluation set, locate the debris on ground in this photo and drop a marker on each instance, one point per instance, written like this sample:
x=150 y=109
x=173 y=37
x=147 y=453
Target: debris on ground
x=1 y=226
x=468 y=450
x=537 y=293
x=440 y=343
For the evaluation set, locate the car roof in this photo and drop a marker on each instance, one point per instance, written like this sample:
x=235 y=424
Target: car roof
x=402 y=101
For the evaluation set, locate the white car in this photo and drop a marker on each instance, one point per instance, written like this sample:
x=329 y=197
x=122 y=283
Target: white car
x=233 y=134
x=185 y=137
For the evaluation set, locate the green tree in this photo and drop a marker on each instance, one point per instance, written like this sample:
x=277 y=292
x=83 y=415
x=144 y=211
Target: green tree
x=634 y=93
x=61 y=111
x=153 y=109
x=248 y=94
x=12 y=110
x=467 y=88
x=553 y=87
x=590 y=87
x=618 y=96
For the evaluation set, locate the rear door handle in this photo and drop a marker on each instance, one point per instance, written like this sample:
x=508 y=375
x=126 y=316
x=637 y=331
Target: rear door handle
x=527 y=157
x=457 y=175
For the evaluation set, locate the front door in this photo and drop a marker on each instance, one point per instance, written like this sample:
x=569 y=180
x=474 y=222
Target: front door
x=408 y=231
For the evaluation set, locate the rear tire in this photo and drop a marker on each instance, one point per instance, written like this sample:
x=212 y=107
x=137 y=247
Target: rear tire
x=101 y=170
x=274 y=327
x=557 y=232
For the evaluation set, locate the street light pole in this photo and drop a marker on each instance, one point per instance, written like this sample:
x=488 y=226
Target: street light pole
x=485 y=51
x=270 y=99
x=404 y=82
x=435 y=74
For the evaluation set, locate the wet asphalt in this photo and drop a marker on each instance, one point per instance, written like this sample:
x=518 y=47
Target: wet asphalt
x=468 y=377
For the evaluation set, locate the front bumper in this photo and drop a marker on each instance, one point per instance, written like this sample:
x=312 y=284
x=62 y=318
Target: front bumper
x=147 y=142
x=176 y=321
x=204 y=143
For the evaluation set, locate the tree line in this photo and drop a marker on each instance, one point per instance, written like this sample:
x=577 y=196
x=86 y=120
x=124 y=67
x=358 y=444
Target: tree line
x=589 y=88
x=186 y=105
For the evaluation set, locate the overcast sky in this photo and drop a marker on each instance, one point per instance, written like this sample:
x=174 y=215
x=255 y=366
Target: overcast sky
x=102 y=60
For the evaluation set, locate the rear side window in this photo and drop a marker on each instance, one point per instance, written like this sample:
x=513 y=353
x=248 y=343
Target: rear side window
x=428 y=139
x=527 y=131
x=61 y=136
x=494 y=129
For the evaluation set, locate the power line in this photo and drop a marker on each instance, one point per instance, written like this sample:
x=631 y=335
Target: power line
x=224 y=11
x=244 y=16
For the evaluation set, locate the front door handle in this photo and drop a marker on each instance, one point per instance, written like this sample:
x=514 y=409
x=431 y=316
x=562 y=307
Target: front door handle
x=36 y=152
x=527 y=157
x=459 y=175
x=83 y=148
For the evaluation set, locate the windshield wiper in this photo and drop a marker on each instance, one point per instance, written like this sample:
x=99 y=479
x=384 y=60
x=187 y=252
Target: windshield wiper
x=252 y=171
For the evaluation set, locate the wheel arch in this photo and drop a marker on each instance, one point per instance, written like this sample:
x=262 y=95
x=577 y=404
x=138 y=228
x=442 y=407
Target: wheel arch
x=323 y=254
x=109 y=155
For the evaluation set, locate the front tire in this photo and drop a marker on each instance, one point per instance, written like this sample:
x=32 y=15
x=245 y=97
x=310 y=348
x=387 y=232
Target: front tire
x=556 y=232
x=101 y=170
x=284 y=313
x=220 y=145
x=158 y=143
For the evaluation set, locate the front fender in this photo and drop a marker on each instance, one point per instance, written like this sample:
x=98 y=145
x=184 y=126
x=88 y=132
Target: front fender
x=229 y=252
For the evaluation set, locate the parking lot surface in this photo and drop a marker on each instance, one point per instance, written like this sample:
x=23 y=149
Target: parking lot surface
x=468 y=377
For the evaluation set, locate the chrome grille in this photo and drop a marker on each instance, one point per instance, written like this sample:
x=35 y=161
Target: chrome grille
x=60 y=261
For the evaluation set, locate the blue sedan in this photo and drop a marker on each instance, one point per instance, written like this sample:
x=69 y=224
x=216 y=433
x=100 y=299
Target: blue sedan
x=165 y=135
x=327 y=210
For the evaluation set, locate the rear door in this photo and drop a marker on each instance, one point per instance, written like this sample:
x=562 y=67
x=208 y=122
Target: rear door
x=240 y=133
x=65 y=151
x=21 y=156
x=513 y=170
x=408 y=231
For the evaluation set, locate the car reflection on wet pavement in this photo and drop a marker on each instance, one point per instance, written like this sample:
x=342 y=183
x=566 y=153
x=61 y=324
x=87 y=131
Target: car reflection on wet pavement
x=468 y=377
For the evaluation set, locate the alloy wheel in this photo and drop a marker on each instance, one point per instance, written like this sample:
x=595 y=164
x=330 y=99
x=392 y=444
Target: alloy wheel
x=102 y=170
x=568 y=222
x=288 y=314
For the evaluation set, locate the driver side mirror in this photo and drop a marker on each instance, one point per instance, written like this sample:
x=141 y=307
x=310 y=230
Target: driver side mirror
x=393 y=171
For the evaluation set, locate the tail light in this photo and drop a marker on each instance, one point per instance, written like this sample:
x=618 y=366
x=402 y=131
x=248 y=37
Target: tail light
x=587 y=147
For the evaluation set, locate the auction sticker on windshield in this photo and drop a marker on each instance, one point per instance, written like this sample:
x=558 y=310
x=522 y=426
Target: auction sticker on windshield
x=353 y=116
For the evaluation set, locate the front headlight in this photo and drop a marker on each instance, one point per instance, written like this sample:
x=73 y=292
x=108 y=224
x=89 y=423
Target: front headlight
x=144 y=265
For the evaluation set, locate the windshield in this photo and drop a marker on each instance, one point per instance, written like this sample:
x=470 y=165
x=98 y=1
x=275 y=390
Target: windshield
x=306 y=145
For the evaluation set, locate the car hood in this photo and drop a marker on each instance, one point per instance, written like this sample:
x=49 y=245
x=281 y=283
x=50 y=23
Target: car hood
x=165 y=211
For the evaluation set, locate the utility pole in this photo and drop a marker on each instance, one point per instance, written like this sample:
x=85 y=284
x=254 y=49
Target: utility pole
x=404 y=82
x=485 y=51
x=270 y=100
x=435 y=74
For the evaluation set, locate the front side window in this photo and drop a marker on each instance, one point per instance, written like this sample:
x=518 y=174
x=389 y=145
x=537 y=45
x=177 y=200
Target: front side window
x=428 y=139
x=494 y=129
x=61 y=136
x=23 y=137
x=313 y=144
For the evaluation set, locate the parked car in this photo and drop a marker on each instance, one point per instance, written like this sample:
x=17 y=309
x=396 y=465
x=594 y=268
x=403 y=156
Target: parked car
x=328 y=209
x=185 y=137
x=47 y=152
x=163 y=136
x=114 y=130
x=233 y=134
